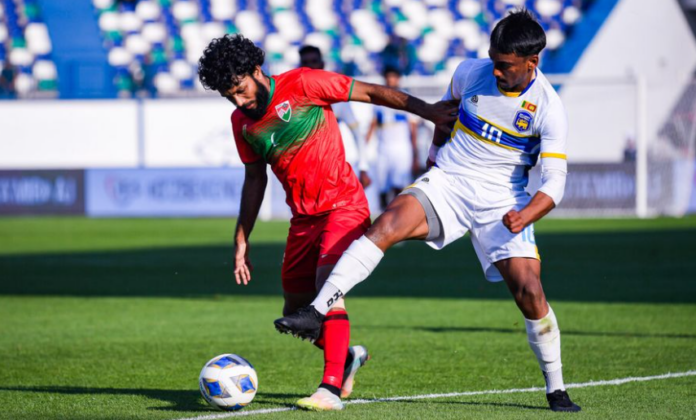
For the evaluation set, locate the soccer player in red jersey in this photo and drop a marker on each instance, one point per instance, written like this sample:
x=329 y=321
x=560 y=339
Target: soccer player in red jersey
x=286 y=121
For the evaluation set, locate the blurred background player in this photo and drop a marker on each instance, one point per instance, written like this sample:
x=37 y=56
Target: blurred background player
x=509 y=118
x=397 y=149
x=310 y=56
x=286 y=121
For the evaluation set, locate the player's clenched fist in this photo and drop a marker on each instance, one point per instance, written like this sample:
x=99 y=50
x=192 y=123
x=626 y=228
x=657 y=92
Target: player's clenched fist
x=513 y=221
x=242 y=264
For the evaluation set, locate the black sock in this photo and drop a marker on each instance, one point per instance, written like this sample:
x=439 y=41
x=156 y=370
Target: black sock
x=333 y=389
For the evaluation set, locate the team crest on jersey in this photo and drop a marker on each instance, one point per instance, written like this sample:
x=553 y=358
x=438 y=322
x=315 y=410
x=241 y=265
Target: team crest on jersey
x=284 y=111
x=523 y=121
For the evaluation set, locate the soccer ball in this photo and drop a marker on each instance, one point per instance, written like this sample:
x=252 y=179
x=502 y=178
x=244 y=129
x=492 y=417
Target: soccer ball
x=228 y=382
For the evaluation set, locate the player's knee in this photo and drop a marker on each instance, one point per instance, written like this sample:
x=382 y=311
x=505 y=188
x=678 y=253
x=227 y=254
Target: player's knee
x=532 y=295
x=528 y=291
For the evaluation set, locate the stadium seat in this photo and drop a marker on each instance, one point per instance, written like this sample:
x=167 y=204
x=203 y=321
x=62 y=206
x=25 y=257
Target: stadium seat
x=3 y=33
x=38 y=41
x=45 y=73
x=148 y=11
x=171 y=34
x=25 y=45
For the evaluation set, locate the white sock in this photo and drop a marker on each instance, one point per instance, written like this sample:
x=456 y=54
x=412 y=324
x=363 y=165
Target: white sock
x=545 y=341
x=358 y=262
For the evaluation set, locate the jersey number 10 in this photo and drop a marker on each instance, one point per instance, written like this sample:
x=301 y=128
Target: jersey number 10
x=491 y=133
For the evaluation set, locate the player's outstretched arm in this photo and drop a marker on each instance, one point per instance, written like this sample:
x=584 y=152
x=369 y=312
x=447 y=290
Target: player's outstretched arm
x=255 y=180
x=540 y=205
x=442 y=113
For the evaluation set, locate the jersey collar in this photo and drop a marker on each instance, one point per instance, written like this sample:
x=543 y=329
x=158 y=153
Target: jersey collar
x=516 y=94
x=272 y=89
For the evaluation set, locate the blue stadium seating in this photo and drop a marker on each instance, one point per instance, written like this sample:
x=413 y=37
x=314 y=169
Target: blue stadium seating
x=153 y=45
x=25 y=50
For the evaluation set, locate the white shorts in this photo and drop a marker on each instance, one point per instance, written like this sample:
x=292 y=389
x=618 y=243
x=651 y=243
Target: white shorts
x=466 y=205
x=394 y=164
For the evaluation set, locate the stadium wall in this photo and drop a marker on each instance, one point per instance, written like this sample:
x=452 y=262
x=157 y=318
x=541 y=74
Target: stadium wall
x=639 y=38
x=105 y=133
x=68 y=134
x=601 y=96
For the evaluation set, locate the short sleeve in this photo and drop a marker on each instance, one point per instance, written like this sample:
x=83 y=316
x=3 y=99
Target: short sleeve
x=554 y=165
x=246 y=153
x=325 y=87
x=449 y=95
x=554 y=132
x=459 y=81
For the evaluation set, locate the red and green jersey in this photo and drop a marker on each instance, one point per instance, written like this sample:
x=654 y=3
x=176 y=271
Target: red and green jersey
x=299 y=137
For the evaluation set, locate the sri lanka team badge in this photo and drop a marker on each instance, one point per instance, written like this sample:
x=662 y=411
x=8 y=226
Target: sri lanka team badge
x=284 y=111
x=523 y=121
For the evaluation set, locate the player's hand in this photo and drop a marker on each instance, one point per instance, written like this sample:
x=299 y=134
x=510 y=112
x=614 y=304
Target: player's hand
x=514 y=221
x=365 y=179
x=443 y=114
x=242 y=264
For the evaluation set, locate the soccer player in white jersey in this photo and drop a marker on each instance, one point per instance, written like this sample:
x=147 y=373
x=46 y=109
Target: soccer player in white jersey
x=397 y=151
x=310 y=56
x=510 y=118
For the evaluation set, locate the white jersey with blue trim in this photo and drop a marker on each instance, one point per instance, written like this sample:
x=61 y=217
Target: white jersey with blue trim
x=393 y=127
x=344 y=114
x=500 y=135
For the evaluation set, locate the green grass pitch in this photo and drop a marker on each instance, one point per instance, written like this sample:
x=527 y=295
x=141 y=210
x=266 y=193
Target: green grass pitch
x=113 y=319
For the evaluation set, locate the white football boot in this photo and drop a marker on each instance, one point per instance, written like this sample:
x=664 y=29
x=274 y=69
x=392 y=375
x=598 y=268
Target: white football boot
x=322 y=400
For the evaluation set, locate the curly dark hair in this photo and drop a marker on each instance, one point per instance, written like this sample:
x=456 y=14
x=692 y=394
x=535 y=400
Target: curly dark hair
x=228 y=59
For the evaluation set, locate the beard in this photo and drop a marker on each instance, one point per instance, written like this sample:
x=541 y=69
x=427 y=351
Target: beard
x=261 y=102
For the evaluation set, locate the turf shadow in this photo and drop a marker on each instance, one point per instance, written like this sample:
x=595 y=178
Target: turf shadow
x=636 y=266
x=278 y=399
x=180 y=400
x=484 y=404
x=522 y=331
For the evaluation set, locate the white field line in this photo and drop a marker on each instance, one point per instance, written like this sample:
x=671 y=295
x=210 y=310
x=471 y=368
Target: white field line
x=619 y=381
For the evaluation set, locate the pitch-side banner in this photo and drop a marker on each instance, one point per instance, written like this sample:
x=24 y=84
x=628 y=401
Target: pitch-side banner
x=163 y=192
x=594 y=188
x=32 y=192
